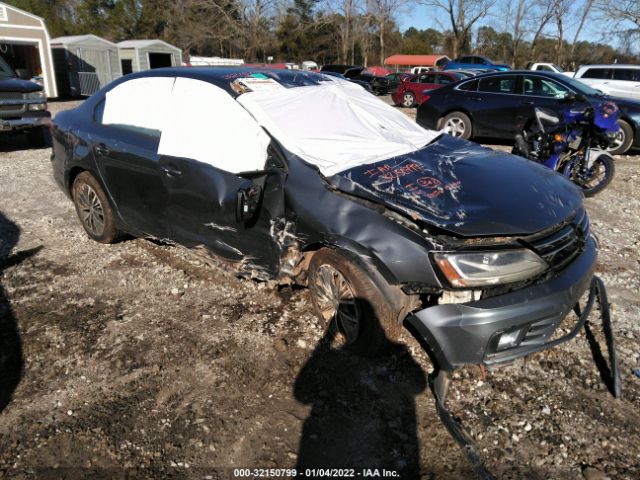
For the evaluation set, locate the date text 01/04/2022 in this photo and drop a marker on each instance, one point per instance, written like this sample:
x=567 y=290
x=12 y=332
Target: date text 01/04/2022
x=314 y=473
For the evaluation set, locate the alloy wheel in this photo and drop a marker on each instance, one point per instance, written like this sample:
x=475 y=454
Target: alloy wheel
x=91 y=211
x=617 y=141
x=337 y=304
x=454 y=127
x=407 y=100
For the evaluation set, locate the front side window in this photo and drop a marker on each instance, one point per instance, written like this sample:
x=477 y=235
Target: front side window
x=5 y=69
x=504 y=84
x=471 y=86
x=543 y=87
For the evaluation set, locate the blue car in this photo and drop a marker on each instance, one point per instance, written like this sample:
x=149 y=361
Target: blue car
x=475 y=62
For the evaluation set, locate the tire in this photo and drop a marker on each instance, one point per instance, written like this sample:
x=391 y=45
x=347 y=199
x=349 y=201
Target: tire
x=93 y=209
x=605 y=165
x=39 y=137
x=624 y=139
x=408 y=100
x=364 y=322
x=457 y=124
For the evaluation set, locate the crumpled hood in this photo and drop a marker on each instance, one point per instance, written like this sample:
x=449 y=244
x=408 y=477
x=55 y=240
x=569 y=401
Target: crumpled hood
x=466 y=189
x=18 y=85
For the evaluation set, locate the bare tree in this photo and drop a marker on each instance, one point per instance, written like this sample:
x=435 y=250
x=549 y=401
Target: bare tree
x=585 y=14
x=463 y=15
x=545 y=10
x=518 y=31
x=346 y=12
x=382 y=12
x=256 y=22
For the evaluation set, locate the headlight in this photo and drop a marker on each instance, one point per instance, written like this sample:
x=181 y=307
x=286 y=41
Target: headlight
x=37 y=106
x=477 y=269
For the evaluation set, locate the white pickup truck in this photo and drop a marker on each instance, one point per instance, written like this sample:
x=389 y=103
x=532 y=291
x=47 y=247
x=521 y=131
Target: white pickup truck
x=548 y=67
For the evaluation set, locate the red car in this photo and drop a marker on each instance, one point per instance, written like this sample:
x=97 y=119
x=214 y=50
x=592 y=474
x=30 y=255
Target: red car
x=409 y=91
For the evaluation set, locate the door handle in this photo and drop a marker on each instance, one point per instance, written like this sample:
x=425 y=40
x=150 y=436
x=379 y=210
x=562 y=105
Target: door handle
x=171 y=171
x=102 y=149
x=526 y=103
x=476 y=99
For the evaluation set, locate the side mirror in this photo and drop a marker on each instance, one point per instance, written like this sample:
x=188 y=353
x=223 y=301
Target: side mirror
x=247 y=202
x=23 y=74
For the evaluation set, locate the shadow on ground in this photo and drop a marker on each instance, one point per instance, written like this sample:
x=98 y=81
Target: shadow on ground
x=363 y=413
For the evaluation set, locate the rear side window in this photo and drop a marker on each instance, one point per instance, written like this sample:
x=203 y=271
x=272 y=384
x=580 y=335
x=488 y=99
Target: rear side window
x=628 y=74
x=471 y=86
x=602 y=73
x=498 y=84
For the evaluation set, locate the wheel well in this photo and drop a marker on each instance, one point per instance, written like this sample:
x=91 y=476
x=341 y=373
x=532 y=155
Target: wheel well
x=71 y=177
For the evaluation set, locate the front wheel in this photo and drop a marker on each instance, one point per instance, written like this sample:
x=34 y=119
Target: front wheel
x=350 y=305
x=596 y=179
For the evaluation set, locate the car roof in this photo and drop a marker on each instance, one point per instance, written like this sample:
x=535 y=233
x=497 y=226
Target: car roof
x=223 y=76
x=614 y=65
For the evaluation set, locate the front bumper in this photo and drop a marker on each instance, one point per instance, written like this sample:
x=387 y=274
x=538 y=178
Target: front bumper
x=41 y=118
x=464 y=334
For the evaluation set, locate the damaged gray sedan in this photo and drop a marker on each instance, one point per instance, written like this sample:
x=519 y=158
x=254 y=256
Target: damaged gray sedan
x=299 y=178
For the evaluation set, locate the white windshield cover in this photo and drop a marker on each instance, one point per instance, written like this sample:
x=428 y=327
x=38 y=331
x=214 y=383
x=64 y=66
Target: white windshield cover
x=335 y=126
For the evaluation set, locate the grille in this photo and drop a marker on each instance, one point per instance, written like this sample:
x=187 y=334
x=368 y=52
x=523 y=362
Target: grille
x=564 y=244
x=11 y=109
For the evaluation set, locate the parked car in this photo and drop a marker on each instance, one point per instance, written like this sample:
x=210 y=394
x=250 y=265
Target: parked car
x=396 y=78
x=615 y=80
x=362 y=83
x=410 y=92
x=23 y=106
x=473 y=62
x=384 y=221
x=379 y=85
x=501 y=105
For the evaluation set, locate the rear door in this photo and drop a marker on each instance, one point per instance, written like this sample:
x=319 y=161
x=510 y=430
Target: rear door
x=625 y=82
x=495 y=106
x=124 y=141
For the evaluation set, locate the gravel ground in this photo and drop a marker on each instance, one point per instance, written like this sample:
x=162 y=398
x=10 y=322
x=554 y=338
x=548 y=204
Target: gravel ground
x=138 y=360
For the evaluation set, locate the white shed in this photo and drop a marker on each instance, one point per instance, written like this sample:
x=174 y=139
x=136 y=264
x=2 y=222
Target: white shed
x=140 y=55
x=84 y=64
x=24 y=43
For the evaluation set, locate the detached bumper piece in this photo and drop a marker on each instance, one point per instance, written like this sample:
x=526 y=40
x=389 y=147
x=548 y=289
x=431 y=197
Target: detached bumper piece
x=439 y=380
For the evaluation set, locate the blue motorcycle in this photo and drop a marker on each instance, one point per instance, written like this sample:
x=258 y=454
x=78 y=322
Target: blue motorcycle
x=574 y=144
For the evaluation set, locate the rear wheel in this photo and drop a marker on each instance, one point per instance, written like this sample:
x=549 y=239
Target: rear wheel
x=457 y=124
x=622 y=140
x=93 y=209
x=350 y=305
x=408 y=100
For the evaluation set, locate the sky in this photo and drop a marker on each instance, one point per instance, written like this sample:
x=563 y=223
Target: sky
x=422 y=17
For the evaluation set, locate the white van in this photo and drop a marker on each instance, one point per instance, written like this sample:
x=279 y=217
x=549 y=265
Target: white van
x=615 y=80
